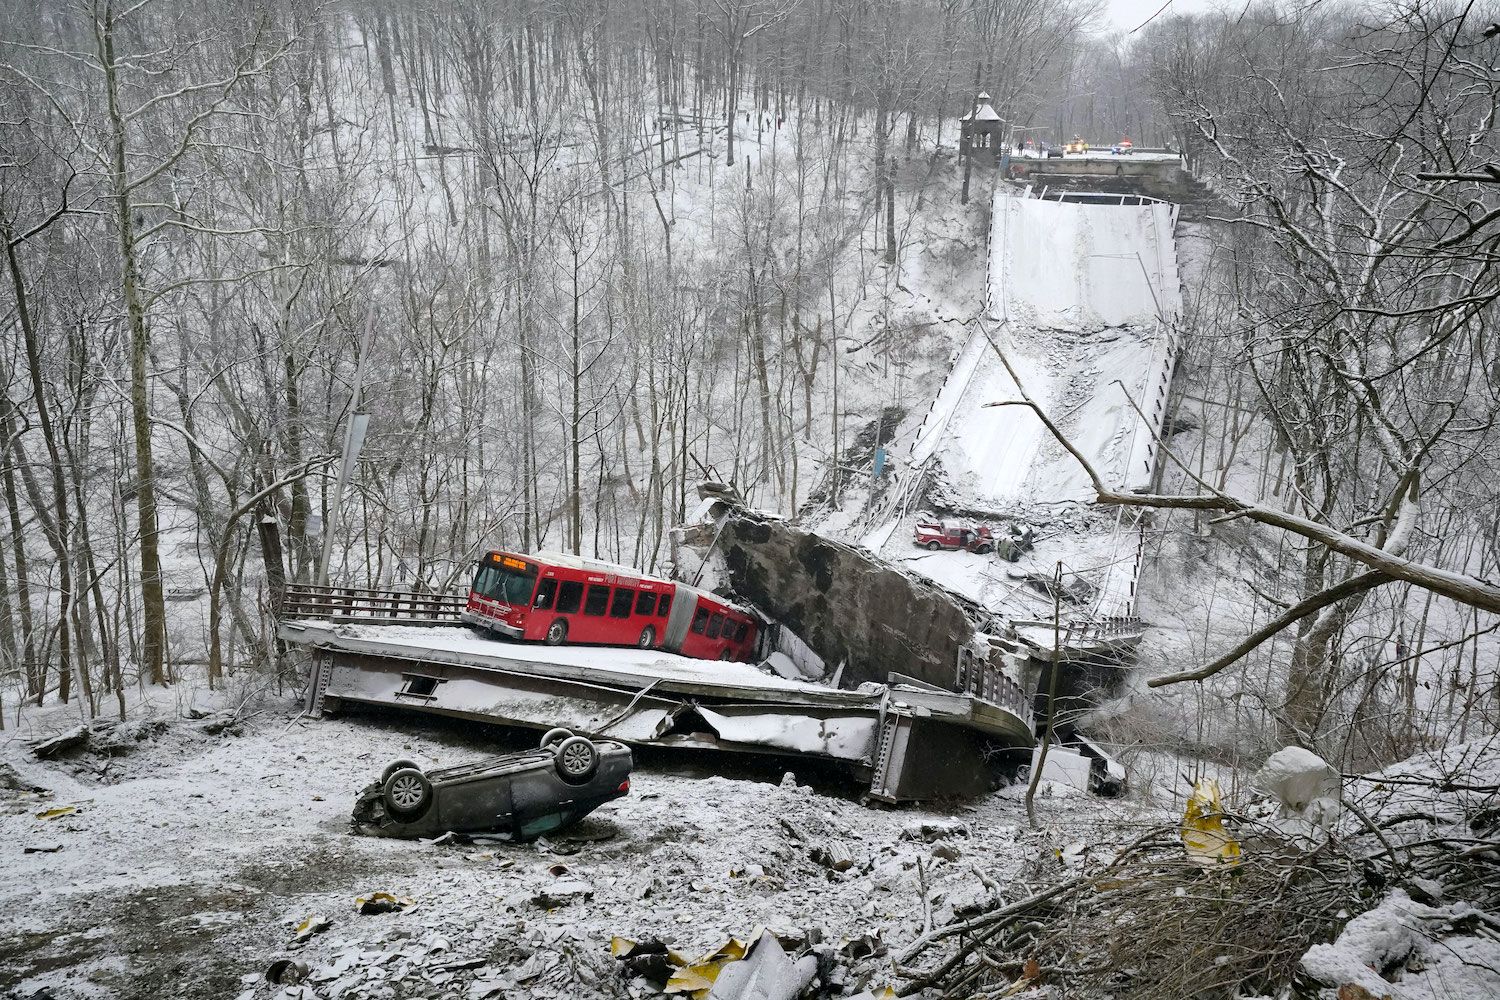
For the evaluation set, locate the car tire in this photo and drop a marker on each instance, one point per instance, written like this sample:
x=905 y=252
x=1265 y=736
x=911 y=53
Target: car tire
x=554 y=735
x=983 y=550
x=933 y=546
x=648 y=638
x=395 y=766
x=407 y=794
x=576 y=759
x=557 y=632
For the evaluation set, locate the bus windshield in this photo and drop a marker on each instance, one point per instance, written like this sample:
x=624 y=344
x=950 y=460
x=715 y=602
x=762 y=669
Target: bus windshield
x=508 y=585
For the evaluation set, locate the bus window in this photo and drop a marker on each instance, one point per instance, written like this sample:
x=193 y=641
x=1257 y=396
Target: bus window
x=569 y=596
x=502 y=583
x=545 y=592
x=622 y=602
x=597 y=600
x=700 y=619
x=645 y=603
x=714 y=624
x=664 y=605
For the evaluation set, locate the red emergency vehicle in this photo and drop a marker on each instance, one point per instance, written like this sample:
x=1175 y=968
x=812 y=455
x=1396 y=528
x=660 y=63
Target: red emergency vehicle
x=936 y=535
x=557 y=598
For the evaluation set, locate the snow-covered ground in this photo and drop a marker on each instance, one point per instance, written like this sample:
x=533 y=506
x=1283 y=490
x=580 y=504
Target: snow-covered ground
x=186 y=862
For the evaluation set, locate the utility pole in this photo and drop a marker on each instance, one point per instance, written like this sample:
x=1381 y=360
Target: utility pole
x=1041 y=760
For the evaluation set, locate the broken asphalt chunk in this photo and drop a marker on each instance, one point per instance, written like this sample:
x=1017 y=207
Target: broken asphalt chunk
x=562 y=893
x=867 y=945
x=61 y=743
x=11 y=781
x=929 y=830
x=382 y=902
x=835 y=855
x=538 y=964
x=286 y=972
x=315 y=924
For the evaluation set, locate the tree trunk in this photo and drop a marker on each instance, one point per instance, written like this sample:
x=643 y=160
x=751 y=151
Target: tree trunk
x=153 y=604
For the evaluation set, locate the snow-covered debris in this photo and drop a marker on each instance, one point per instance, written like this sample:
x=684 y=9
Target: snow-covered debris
x=1298 y=778
x=1408 y=951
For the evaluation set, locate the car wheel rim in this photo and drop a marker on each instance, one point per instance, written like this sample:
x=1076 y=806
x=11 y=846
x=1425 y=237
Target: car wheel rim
x=576 y=759
x=406 y=792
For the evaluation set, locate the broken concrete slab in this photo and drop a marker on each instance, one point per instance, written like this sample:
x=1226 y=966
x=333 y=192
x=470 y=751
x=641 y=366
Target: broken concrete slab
x=920 y=742
x=845 y=604
x=946 y=851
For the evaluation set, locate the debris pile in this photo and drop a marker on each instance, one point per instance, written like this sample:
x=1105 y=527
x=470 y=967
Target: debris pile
x=1227 y=902
x=771 y=964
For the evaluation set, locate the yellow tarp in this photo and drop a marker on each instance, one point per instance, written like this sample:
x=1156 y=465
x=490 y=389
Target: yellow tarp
x=1207 y=842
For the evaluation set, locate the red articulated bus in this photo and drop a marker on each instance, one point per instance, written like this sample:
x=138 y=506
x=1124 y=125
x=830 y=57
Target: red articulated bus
x=560 y=598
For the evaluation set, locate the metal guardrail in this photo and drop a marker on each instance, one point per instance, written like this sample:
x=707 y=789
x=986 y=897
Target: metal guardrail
x=376 y=607
x=1104 y=628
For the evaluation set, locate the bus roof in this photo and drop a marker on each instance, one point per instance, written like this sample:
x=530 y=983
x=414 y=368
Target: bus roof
x=580 y=562
x=570 y=561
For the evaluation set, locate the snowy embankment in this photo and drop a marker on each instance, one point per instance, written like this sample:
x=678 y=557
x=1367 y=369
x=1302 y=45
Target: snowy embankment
x=181 y=866
x=1081 y=300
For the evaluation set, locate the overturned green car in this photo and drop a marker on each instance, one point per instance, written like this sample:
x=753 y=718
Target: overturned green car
x=518 y=796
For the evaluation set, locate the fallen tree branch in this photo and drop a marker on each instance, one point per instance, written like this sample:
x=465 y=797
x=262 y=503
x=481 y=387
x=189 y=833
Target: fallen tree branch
x=1460 y=587
x=1350 y=587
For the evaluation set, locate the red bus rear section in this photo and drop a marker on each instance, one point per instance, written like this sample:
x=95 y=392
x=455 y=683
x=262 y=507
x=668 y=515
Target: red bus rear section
x=556 y=598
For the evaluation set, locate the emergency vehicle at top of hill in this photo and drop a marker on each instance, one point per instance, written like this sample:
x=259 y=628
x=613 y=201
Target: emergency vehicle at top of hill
x=558 y=598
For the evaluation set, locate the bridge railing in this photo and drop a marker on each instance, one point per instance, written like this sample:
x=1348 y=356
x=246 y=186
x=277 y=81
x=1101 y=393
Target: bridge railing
x=375 y=607
x=986 y=680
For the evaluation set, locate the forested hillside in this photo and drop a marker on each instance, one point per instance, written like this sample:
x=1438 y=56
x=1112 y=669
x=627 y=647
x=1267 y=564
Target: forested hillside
x=576 y=281
x=579 y=257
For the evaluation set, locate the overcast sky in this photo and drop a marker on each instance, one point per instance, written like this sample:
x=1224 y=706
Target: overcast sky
x=1128 y=14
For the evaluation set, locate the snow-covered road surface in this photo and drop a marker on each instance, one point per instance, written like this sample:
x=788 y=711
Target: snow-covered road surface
x=1080 y=299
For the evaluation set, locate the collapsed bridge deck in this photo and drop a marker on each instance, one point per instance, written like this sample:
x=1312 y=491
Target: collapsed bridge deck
x=911 y=740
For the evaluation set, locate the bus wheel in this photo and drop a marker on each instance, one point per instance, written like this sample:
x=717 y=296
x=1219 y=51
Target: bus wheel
x=557 y=632
x=724 y=655
x=648 y=637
